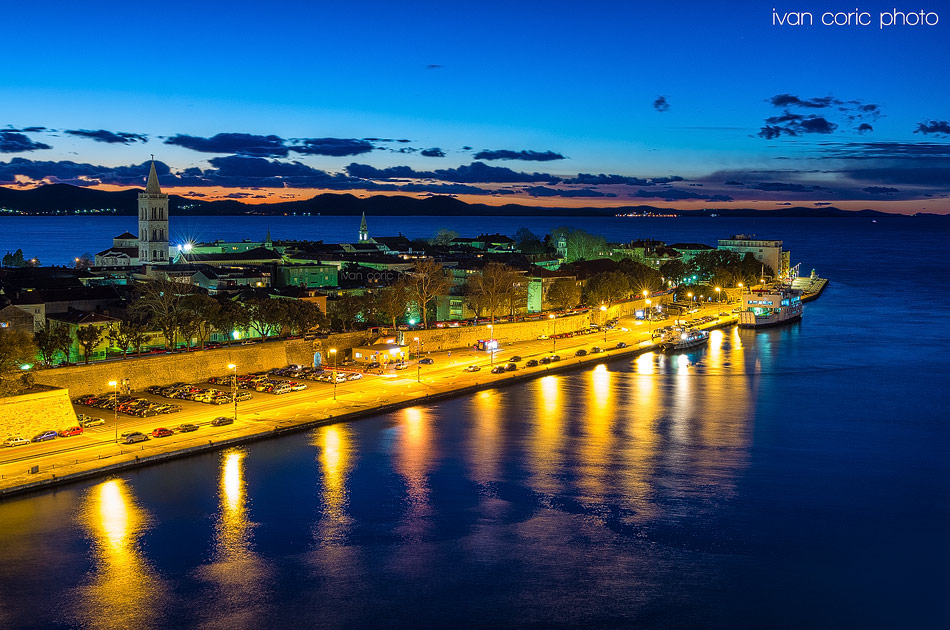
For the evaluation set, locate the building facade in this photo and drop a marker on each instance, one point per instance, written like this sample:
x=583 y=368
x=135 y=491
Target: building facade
x=153 y=222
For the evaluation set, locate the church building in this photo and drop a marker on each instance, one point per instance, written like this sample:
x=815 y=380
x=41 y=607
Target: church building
x=151 y=245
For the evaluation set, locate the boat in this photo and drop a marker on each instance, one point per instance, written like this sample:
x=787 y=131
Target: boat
x=682 y=338
x=770 y=307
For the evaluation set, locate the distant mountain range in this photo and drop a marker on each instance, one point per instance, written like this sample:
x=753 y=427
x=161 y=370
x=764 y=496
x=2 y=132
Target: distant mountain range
x=64 y=198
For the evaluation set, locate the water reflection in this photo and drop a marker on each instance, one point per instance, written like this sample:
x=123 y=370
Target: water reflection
x=335 y=462
x=413 y=460
x=123 y=591
x=486 y=436
x=595 y=449
x=237 y=572
x=545 y=449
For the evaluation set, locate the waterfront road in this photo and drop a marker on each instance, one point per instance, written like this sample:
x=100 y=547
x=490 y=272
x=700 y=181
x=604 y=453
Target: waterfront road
x=98 y=447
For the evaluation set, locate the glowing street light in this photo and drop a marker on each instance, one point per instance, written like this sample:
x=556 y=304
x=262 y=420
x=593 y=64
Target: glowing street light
x=603 y=320
x=553 y=332
x=233 y=368
x=115 y=407
x=649 y=321
x=333 y=352
x=718 y=295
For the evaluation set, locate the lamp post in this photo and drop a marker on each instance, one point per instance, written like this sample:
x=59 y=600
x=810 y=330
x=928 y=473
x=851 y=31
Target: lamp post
x=553 y=332
x=491 y=347
x=740 y=291
x=418 y=347
x=333 y=352
x=603 y=320
x=649 y=321
x=115 y=407
x=718 y=295
x=233 y=368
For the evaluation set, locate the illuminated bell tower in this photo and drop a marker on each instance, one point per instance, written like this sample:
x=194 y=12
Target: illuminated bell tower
x=364 y=231
x=153 y=222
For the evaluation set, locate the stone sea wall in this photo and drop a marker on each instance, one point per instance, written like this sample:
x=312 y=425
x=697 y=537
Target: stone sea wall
x=29 y=414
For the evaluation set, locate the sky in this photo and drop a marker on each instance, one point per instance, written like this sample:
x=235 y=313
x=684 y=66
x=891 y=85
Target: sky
x=682 y=104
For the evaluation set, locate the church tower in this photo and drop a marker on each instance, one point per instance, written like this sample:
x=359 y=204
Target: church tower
x=153 y=222
x=364 y=231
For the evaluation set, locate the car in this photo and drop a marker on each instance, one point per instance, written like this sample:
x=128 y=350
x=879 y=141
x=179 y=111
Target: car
x=134 y=436
x=220 y=421
x=248 y=342
x=514 y=359
x=542 y=337
x=162 y=432
x=87 y=422
x=472 y=368
x=353 y=376
x=511 y=367
x=544 y=360
x=373 y=365
x=531 y=363
x=70 y=431
x=581 y=353
x=45 y=435
x=724 y=314
x=498 y=369
x=186 y=428
x=297 y=387
x=596 y=350
x=555 y=357
x=427 y=361
x=15 y=441
x=620 y=345
x=402 y=365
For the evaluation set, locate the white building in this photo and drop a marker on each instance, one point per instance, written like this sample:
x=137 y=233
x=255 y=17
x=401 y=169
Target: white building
x=153 y=222
x=767 y=252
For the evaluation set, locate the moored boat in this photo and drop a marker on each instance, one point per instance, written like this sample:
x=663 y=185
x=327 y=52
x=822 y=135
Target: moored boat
x=682 y=338
x=770 y=307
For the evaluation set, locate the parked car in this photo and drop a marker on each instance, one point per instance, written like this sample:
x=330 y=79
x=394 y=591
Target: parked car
x=162 y=432
x=355 y=376
x=87 y=422
x=555 y=357
x=620 y=344
x=511 y=367
x=187 y=428
x=220 y=421
x=544 y=360
x=373 y=366
x=134 y=436
x=45 y=435
x=472 y=368
x=70 y=431
x=531 y=363
x=402 y=365
x=498 y=369
x=581 y=353
x=543 y=337
x=15 y=441
x=427 y=361
x=596 y=350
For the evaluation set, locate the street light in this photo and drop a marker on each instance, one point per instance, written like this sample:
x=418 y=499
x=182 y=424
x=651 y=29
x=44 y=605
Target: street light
x=115 y=406
x=333 y=352
x=491 y=346
x=553 y=332
x=740 y=291
x=718 y=295
x=418 y=348
x=649 y=321
x=690 y=296
x=233 y=367
x=603 y=320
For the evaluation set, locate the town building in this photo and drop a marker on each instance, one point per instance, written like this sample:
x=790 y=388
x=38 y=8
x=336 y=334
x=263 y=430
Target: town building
x=153 y=222
x=767 y=252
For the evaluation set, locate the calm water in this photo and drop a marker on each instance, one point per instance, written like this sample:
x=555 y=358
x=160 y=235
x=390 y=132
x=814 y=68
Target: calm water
x=798 y=477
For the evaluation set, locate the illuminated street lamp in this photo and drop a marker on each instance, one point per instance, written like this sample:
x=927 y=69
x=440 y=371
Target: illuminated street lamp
x=333 y=352
x=603 y=320
x=649 y=321
x=690 y=296
x=718 y=295
x=553 y=332
x=233 y=368
x=115 y=407
x=740 y=291
x=418 y=347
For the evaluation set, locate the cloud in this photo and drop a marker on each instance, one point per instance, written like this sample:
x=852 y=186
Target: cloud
x=433 y=152
x=333 y=146
x=236 y=143
x=880 y=190
x=101 y=135
x=822 y=203
x=14 y=142
x=733 y=182
x=507 y=154
x=589 y=179
x=786 y=100
x=865 y=128
x=795 y=125
x=675 y=194
x=782 y=187
x=661 y=104
x=940 y=128
x=544 y=191
x=474 y=173
x=433 y=66
x=26 y=129
x=886 y=150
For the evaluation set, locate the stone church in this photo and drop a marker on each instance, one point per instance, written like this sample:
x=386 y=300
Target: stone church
x=150 y=247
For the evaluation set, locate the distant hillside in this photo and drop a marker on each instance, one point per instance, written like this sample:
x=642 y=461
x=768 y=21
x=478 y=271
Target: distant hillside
x=64 y=198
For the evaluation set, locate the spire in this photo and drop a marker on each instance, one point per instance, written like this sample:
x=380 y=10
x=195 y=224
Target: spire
x=364 y=231
x=152 y=186
x=267 y=242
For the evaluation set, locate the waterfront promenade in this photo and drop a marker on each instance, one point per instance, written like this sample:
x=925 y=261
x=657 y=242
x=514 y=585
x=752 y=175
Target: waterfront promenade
x=63 y=460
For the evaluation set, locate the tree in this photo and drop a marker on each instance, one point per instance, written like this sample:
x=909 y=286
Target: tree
x=344 y=310
x=581 y=245
x=443 y=237
x=85 y=261
x=51 y=338
x=16 y=349
x=266 y=316
x=231 y=317
x=675 y=270
x=528 y=242
x=607 y=287
x=494 y=290
x=14 y=260
x=127 y=334
x=391 y=302
x=89 y=337
x=302 y=316
x=428 y=281
x=199 y=313
x=640 y=277
x=564 y=293
x=161 y=303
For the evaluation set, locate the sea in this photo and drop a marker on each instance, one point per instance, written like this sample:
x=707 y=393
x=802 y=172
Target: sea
x=793 y=477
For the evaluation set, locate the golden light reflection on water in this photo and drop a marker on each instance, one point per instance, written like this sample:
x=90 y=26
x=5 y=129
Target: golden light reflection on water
x=487 y=436
x=413 y=459
x=596 y=448
x=233 y=526
x=123 y=591
x=335 y=462
x=545 y=449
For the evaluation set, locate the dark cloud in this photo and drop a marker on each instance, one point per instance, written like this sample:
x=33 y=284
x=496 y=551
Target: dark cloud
x=544 y=191
x=445 y=189
x=26 y=129
x=474 y=173
x=782 y=187
x=404 y=150
x=240 y=195
x=661 y=104
x=908 y=175
x=507 y=154
x=886 y=150
x=101 y=135
x=786 y=100
x=433 y=66
x=793 y=124
x=332 y=146
x=880 y=190
x=822 y=203
x=236 y=143
x=433 y=152
x=14 y=142
x=80 y=174
x=784 y=203
x=466 y=148
x=865 y=128
x=796 y=126
x=674 y=194
x=939 y=128
x=192 y=193
x=732 y=182
x=589 y=179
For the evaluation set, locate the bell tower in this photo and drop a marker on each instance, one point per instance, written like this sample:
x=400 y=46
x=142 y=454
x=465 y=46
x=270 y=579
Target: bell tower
x=153 y=222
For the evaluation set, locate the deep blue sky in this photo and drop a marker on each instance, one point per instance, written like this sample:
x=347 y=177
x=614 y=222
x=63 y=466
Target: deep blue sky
x=581 y=81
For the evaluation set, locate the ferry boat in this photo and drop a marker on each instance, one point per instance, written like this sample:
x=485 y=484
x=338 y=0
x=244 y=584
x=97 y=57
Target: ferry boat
x=682 y=338
x=770 y=307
